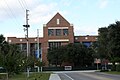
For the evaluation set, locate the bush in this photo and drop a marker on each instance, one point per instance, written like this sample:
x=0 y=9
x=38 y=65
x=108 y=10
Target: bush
x=104 y=70
x=3 y=76
x=118 y=68
x=113 y=68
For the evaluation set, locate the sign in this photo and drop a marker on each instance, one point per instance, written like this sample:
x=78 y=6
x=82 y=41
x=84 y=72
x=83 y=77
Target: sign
x=97 y=61
x=68 y=67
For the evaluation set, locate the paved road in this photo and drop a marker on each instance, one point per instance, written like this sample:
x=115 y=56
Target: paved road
x=87 y=76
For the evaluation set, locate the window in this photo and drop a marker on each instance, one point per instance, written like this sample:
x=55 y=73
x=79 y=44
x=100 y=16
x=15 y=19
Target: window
x=58 y=21
x=50 y=32
x=20 y=46
x=87 y=44
x=54 y=44
x=24 y=47
x=65 y=32
x=58 y=32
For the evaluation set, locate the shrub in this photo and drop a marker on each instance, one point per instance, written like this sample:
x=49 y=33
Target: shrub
x=118 y=68
x=3 y=76
x=113 y=68
x=104 y=70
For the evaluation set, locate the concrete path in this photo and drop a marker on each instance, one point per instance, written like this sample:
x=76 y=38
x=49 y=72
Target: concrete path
x=54 y=77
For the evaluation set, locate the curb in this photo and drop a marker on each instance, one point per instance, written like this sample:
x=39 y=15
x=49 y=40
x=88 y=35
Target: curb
x=75 y=71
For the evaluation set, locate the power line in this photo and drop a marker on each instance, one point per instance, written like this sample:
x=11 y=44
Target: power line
x=25 y=3
x=6 y=10
x=21 y=5
x=11 y=12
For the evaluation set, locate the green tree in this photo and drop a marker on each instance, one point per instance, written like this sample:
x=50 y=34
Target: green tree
x=82 y=55
x=103 y=42
x=2 y=43
x=55 y=55
x=114 y=42
x=12 y=59
x=89 y=59
x=2 y=39
x=94 y=47
x=76 y=54
x=109 y=43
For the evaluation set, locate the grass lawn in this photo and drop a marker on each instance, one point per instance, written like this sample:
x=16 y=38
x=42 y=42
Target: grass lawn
x=33 y=76
x=113 y=72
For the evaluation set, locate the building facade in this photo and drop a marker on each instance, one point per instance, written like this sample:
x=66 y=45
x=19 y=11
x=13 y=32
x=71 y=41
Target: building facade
x=58 y=31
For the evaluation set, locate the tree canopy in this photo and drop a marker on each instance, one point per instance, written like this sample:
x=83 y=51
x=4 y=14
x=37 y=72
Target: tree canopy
x=109 y=42
x=74 y=53
x=103 y=41
x=12 y=59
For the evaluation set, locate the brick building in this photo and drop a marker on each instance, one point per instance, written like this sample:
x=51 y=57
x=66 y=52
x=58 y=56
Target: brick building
x=58 y=31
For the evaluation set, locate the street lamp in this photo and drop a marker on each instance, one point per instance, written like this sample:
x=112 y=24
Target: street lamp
x=38 y=53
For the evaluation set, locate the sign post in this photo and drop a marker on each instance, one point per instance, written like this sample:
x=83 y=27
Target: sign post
x=97 y=61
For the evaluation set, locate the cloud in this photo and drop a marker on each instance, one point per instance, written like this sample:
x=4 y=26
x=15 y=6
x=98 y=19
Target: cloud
x=42 y=13
x=12 y=34
x=103 y=3
x=85 y=30
x=16 y=8
x=10 y=9
x=66 y=2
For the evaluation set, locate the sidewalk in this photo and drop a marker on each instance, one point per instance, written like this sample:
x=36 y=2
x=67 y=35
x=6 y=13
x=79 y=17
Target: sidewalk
x=54 y=77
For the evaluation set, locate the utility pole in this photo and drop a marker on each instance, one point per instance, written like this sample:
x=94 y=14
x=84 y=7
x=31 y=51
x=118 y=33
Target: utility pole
x=38 y=46
x=26 y=36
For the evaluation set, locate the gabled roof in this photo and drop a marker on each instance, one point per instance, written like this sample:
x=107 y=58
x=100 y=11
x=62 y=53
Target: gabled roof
x=53 y=21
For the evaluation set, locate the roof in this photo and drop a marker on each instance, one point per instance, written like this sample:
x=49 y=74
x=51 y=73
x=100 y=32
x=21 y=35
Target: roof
x=54 y=21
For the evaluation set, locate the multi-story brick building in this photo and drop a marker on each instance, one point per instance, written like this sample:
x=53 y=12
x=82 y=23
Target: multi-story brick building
x=58 y=31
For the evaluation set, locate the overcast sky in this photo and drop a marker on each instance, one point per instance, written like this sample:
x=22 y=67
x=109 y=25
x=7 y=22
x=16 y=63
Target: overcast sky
x=86 y=15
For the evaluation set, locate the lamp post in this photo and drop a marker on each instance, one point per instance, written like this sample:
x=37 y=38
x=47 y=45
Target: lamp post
x=26 y=36
x=38 y=53
x=41 y=60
